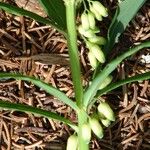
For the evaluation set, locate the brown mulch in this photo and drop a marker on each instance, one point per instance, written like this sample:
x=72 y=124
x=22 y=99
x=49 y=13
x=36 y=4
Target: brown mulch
x=34 y=49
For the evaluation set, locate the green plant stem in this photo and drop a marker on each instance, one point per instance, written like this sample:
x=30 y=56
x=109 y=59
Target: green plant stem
x=75 y=67
x=73 y=51
x=82 y=118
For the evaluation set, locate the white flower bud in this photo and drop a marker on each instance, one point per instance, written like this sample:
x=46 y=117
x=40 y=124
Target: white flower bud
x=105 y=122
x=85 y=21
x=96 y=127
x=96 y=30
x=106 y=82
x=97 y=15
x=86 y=132
x=97 y=52
x=105 y=110
x=100 y=8
x=91 y=20
x=98 y=40
x=87 y=33
x=72 y=142
x=92 y=59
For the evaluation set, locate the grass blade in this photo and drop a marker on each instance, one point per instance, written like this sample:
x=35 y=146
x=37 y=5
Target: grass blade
x=56 y=11
x=21 y=12
x=49 y=89
x=139 y=77
x=36 y=111
x=126 y=10
x=93 y=88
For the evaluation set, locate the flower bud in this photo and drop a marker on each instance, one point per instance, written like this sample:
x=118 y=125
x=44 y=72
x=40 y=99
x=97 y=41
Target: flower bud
x=92 y=59
x=98 y=40
x=72 y=142
x=97 y=52
x=96 y=127
x=105 y=122
x=97 y=15
x=96 y=30
x=91 y=20
x=106 y=82
x=100 y=8
x=87 y=33
x=86 y=132
x=85 y=21
x=105 y=110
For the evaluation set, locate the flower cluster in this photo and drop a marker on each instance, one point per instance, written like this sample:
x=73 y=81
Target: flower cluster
x=105 y=116
x=88 y=31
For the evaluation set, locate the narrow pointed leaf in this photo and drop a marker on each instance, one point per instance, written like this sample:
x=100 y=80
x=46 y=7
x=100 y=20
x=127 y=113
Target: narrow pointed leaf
x=49 y=89
x=36 y=111
x=21 y=12
x=125 y=12
x=56 y=11
x=139 y=77
x=93 y=88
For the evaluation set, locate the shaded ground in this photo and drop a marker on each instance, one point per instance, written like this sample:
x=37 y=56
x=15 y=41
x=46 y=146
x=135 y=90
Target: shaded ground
x=37 y=50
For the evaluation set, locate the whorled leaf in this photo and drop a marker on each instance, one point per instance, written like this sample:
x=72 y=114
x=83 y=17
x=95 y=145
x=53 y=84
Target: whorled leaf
x=56 y=11
x=36 y=111
x=93 y=88
x=112 y=86
x=21 y=12
x=49 y=89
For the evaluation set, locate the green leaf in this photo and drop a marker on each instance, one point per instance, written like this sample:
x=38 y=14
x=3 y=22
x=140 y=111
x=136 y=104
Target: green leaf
x=36 y=111
x=126 y=10
x=21 y=12
x=56 y=11
x=93 y=88
x=139 y=77
x=49 y=89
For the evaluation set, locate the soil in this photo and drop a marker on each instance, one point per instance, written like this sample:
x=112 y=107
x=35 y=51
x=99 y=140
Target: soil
x=37 y=50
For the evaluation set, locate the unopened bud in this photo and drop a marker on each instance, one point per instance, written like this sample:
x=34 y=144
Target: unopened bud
x=97 y=52
x=98 y=40
x=85 y=21
x=100 y=8
x=91 y=20
x=86 y=132
x=105 y=110
x=96 y=127
x=97 y=15
x=72 y=142
x=106 y=82
x=105 y=122
x=87 y=33
x=92 y=59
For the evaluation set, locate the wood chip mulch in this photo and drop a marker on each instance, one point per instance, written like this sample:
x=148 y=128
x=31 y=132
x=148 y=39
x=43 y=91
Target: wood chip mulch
x=34 y=49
